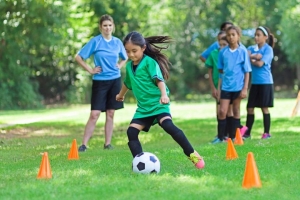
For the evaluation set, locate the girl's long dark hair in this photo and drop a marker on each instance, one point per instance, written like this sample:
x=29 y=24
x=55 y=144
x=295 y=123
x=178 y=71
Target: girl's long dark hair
x=152 y=49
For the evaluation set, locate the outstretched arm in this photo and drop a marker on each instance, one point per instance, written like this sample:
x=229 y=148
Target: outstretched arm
x=121 y=95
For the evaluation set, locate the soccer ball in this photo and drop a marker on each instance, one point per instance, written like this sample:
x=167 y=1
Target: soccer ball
x=145 y=163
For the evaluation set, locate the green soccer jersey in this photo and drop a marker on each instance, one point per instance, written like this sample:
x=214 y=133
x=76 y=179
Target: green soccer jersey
x=212 y=62
x=142 y=82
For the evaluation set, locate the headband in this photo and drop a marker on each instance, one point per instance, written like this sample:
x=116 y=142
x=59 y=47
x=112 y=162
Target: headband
x=263 y=30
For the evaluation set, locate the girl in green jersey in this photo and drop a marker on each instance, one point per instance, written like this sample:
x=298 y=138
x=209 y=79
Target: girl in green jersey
x=146 y=73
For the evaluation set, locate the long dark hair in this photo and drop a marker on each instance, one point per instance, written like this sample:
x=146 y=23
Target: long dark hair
x=271 y=38
x=152 y=49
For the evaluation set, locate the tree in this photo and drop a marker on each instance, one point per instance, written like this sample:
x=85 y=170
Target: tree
x=291 y=21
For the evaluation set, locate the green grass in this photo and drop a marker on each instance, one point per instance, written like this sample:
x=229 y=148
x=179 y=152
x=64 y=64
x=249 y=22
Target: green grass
x=100 y=174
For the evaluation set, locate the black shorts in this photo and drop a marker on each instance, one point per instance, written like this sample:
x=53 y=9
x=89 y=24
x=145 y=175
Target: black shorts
x=104 y=94
x=230 y=95
x=149 y=121
x=261 y=96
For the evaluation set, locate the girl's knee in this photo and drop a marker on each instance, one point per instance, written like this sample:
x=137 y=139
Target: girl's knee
x=132 y=133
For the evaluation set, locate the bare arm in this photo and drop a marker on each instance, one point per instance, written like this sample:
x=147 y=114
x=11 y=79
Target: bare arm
x=219 y=89
x=202 y=59
x=121 y=64
x=257 y=63
x=83 y=64
x=255 y=60
x=164 y=99
x=121 y=95
x=211 y=84
x=245 y=88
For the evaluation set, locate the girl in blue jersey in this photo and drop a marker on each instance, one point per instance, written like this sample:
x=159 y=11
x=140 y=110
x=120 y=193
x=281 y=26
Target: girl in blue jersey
x=146 y=73
x=234 y=65
x=261 y=93
x=107 y=51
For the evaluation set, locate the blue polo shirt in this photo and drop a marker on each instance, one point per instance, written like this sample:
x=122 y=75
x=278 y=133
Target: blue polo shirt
x=262 y=75
x=106 y=55
x=234 y=65
x=212 y=47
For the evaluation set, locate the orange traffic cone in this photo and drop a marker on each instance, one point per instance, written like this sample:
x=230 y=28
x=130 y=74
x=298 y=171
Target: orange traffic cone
x=45 y=170
x=238 y=138
x=251 y=176
x=231 y=152
x=73 y=155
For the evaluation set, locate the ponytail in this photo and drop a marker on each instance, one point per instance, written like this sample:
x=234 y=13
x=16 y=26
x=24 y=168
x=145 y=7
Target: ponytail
x=271 y=40
x=154 y=52
x=152 y=49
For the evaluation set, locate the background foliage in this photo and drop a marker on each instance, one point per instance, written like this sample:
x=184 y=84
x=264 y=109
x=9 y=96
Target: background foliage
x=39 y=39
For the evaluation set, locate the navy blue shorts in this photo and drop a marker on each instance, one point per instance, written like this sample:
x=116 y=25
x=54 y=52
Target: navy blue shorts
x=104 y=94
x=230 y=95
x=147 y=122
x=261 y=96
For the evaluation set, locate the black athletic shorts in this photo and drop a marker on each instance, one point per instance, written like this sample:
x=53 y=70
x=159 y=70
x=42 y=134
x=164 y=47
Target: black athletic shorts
x=104 y=94
x=149 y=121
x=230 y=95
x=261 y=96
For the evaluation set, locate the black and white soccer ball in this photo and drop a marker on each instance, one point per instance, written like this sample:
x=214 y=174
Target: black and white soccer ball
x=146 y=163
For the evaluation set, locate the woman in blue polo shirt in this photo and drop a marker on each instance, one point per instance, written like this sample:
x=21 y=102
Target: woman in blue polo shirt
x=106 y=50
x=261 y=94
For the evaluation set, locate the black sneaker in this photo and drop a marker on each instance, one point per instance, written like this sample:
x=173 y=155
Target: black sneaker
x=82 y=148
x=109 y=147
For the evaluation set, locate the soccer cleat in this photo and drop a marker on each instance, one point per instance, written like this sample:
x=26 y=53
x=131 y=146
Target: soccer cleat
x=265 y=136
x=108 y=147
x=226 y=139
x=197 y=160
x=216 y=141
x=82 y=148
x=243 y=130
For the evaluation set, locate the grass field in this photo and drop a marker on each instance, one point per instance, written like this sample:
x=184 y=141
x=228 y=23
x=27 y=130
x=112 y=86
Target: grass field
x=100 y=174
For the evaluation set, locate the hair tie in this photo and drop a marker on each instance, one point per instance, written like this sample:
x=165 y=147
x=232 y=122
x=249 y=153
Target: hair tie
x=263 y=30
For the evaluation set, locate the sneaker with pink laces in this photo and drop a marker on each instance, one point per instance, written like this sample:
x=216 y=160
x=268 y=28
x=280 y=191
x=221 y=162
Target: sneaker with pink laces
x=197 y=160
x=243 y=130
x=265 y=136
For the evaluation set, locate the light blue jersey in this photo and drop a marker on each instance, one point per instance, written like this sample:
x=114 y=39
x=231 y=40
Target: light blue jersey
x=212 y=47
x=106 y=55
x=262 y=75
x=234 y=65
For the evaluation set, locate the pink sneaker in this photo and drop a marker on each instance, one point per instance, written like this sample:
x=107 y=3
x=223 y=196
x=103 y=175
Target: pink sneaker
x=265 y=136
x=243 y=130
x=197 y=160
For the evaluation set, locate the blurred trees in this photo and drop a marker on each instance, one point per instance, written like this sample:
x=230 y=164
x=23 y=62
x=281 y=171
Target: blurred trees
x=39 y=39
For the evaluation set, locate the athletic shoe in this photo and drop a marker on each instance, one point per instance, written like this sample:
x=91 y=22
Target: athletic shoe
x=197 y=160
x=243 y=130
x=246 y=136
x=82 y=148
x=226 y=140
x=109 y=147
x=265 y=136
x=216 y=141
